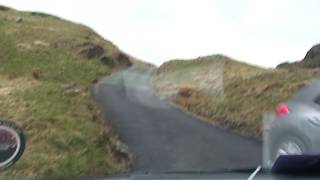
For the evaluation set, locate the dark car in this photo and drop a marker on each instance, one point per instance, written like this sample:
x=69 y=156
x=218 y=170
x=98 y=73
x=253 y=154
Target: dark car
x=295 y=129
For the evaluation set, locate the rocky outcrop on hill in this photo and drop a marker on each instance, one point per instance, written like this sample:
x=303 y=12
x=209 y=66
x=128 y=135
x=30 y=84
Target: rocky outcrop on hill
x=311 y=60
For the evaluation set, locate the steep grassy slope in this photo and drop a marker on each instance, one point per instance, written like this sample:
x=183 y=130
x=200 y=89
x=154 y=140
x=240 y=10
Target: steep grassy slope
x=47 y=68
x=247 y=91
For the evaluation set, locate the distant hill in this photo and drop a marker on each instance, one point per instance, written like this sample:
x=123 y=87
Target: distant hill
x=47 y=68
x=245 y=93
x=311 y=60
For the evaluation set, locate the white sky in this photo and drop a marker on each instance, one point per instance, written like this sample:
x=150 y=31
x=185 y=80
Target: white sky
x=261 y=32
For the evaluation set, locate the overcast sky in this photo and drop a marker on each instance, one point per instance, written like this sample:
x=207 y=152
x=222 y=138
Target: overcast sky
x=262 y=32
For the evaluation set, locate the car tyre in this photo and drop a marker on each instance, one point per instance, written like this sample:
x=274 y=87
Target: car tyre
x=289 y=145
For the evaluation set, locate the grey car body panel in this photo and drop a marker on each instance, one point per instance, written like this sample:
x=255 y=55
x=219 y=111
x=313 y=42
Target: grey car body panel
x=309 y=92
x=303 y=120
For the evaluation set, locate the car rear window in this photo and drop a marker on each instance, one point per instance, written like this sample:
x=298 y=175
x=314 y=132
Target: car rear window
x=317 y=100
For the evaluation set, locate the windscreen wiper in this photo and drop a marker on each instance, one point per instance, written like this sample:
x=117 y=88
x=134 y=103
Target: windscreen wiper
x=248 y=170
x=251 y=177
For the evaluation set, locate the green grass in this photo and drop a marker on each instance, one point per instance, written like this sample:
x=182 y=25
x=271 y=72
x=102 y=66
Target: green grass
x=66 y=133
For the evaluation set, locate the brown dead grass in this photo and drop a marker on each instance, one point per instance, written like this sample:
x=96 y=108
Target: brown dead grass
x=8 y=85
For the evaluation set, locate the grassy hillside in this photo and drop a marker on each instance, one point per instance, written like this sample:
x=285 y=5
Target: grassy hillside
x=247 y=90
x=204 y=73
x=47 y=68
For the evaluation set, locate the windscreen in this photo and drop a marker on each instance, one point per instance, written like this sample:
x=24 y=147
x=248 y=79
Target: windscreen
x=96 y=89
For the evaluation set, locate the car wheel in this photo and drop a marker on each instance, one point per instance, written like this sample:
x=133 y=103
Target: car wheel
x=288 y=146
x=10 y=151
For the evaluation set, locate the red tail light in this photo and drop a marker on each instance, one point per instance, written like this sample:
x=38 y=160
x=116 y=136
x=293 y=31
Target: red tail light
x=282 y=110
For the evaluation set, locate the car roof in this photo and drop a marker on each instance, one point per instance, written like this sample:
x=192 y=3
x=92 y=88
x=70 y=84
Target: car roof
x=309 y=92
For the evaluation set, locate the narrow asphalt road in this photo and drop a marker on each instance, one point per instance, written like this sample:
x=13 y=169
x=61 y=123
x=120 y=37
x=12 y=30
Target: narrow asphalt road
x=163 y=138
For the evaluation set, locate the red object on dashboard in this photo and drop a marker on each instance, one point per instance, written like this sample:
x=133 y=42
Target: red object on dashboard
x=282 y=109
